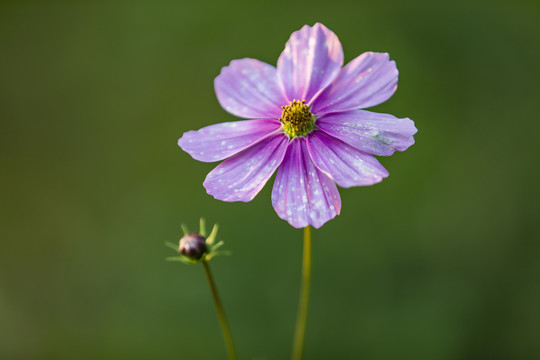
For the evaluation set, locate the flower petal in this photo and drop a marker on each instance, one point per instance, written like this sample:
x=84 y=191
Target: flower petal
x=347 y=166
x=369 y=132
x=248 y=88
x=302 y=194
x=310 y=62
x=219 y=141
x=368 y=80
x=242 y=176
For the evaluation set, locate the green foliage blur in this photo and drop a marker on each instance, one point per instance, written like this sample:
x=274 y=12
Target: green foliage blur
x=439 y=261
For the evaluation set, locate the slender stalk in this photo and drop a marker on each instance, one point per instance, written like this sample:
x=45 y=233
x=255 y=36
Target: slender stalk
x=221 y=314
x=300 y=332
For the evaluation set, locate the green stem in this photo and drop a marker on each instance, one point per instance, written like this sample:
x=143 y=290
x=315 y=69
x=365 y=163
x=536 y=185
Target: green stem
x=221 y=314
x=300 y=332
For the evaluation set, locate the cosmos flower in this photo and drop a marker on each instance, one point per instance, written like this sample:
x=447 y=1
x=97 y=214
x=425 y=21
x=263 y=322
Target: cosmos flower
x=305 y=121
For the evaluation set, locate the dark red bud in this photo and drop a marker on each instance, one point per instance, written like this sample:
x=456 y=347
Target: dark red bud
x=193 y=246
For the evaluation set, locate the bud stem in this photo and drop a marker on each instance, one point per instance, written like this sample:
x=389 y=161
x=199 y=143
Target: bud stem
x=221 y=313
x=300 y=332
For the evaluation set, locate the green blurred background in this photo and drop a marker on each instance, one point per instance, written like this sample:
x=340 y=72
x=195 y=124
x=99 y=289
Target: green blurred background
x=439 y=261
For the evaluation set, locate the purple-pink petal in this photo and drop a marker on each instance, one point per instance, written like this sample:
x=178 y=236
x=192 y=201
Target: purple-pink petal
x=219 y=141
x=310 y=61
x=249 y=88
x=369 y=132
x=366 y=81
x=347 y=166
x=302 y=194
x=242 y=176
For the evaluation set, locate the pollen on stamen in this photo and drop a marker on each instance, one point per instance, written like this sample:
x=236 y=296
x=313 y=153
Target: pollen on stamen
x=297 y=119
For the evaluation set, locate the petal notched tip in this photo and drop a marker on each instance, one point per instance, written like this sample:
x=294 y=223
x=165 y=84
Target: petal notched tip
x=184 y=140
x=408 y=132
x=227 y=196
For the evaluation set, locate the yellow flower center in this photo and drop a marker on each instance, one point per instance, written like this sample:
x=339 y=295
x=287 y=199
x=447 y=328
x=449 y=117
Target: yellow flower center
x=296 y=118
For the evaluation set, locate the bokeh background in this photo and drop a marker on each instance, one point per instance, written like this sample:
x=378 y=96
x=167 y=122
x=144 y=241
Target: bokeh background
x=439 y=261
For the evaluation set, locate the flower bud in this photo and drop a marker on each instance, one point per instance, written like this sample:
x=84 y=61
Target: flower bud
x=193 y=246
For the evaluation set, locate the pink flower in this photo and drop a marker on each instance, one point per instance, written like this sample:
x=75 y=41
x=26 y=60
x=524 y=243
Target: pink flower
x=306 y=121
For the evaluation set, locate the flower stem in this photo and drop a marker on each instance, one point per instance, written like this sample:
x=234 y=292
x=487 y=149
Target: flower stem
x=300 y=332
x=221 y=314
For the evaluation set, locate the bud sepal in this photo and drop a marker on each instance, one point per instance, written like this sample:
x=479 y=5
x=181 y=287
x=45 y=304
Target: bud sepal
x=196 y=247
